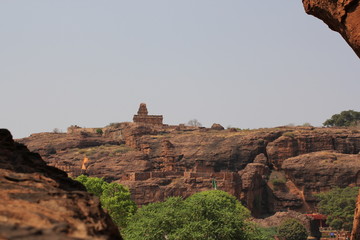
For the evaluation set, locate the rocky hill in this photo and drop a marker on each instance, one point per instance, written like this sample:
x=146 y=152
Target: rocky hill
x=269 y=170
x=40 y=202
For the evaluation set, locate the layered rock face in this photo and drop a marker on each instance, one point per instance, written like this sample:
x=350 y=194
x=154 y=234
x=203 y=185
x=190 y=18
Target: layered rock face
x=40 y=202
x=321 y=171
x=157 y=162
x=342 y=16
x=355 y=234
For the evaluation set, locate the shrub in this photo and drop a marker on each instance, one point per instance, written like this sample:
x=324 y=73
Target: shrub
x=56 y=130
x=267 y=233
x=194 y=123
x=289 y=134
x=278 y=182
x=292 y=229
x=114 y=125
x=114 y=197
x=99 y=131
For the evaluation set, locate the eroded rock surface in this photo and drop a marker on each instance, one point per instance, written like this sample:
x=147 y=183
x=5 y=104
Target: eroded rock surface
x=342 y=16
x=157 y=162
x=355 y=234
x=40 y=202
x=321 y=171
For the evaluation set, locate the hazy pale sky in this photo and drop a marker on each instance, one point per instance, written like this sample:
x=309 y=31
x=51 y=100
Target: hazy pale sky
x=246 y=64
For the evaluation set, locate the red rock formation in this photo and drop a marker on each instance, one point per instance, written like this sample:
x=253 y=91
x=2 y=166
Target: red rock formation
x=41 y=202
x=162 y=161
x=342 y=16
x=254 y=191
x=355 y=234
x=279 y=217
x=297 y=142
x=321 y=171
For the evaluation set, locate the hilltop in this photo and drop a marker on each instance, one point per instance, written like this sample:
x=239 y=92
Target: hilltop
x=269 y=170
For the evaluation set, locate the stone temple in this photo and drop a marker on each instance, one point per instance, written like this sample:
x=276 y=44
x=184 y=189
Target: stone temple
x=143 y=117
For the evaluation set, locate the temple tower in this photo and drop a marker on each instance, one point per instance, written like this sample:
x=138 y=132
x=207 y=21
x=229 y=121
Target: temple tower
x=143 y=117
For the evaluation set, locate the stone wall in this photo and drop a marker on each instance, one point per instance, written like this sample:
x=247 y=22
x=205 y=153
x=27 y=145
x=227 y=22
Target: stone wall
x=149 y=119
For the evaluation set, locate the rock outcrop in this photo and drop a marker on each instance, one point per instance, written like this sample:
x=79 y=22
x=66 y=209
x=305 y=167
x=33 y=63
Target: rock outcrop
x=40 y=202
x=342 y=16
x=301 y=141
x=217 y=126
x=320 y=171
x=278 y=218
x=254 y=190
x=355 y=234
x=157 y=162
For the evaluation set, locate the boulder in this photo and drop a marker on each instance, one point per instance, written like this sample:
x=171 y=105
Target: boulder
x=217 y=126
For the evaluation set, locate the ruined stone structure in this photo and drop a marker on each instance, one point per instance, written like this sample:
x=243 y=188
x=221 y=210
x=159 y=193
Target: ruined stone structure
x=143 y=117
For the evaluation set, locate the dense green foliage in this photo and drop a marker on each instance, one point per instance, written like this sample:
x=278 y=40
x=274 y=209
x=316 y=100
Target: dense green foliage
x=339 y=205
x=99 y=131
x=292 y=229
x=93 y=185
x=206 y=215
x=268 y=233
x=114 y=197
x=344 y=119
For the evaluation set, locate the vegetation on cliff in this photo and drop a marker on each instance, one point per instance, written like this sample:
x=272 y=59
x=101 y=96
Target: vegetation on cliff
x=292 y=229
x=114 y=197
x=205 y=215
x=339 y=205
x=343 y=119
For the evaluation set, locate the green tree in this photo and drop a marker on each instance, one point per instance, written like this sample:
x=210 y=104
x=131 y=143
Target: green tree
x=292 y=229
x=343 y=119
x=267 y=233
x=99 y=131
x=93 y=185
x=206 y=215
x=156 y=220
x=220 y=214
x=339 y=206
x=114 y=197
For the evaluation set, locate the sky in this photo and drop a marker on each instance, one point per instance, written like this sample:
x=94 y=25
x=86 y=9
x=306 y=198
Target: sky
x=245 y=64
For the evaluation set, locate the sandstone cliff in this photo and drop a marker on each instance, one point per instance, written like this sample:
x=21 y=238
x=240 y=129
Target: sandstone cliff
x=256 y=166
x=342 y=16
x=355 y=234
x=40 y=202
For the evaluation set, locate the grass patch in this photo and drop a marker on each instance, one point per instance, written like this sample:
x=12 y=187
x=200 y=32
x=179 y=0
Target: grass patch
x=289 y=134
x=277 y=180
x=105 y=150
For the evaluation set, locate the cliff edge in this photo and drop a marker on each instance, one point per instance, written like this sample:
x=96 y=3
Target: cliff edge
x=40 y=202
x=342 y=16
